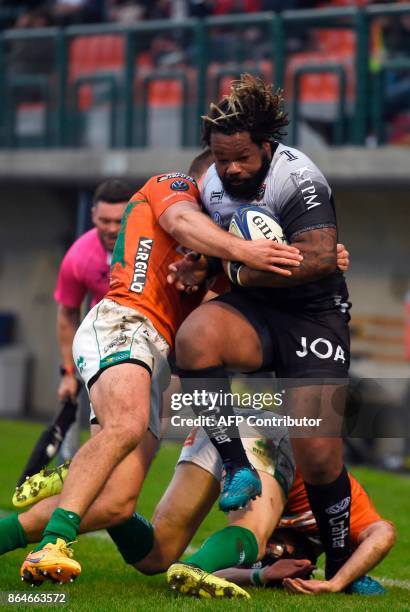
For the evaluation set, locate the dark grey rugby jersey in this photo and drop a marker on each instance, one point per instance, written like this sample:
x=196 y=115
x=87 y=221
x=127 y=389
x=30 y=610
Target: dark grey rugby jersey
x=298 y=195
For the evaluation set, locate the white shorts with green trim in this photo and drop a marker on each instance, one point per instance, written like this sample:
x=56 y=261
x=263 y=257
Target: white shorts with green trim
x=112 y=334
x=268 y=451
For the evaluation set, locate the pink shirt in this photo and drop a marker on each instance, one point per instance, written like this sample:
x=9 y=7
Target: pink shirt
x=84 y=269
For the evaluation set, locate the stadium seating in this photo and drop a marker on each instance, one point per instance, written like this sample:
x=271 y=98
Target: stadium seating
x=89 y=55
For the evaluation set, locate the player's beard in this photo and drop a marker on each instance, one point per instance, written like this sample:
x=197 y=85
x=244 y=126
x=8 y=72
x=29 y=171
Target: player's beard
x=247 y=189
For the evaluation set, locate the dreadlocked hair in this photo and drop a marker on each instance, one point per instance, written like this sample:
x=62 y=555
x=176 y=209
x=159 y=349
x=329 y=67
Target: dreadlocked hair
x=251 y=106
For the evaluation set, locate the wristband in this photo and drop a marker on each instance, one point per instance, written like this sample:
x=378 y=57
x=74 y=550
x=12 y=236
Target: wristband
x=69 y=371
x=256 y=578
x=234 y=268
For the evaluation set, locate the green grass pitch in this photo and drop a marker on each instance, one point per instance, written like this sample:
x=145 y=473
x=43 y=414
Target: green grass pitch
x=108 y=584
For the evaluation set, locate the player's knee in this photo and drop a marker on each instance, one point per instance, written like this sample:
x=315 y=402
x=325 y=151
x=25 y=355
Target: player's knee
x=156 y=562
x=262 y=540
x=260 y=533
x=127 y=434
x=320 y=464
x=118 y=509
x=197 y=346
x=389 y=532
x=150 y=567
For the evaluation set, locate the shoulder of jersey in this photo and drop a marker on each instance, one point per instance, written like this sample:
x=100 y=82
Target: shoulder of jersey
x=87 y=246
x=291 y=159
x=174 y=177
x=88 y=239
x=208 y=177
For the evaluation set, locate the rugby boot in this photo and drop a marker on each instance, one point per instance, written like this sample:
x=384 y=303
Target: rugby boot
x=365 y=586
x=240 y=486
x=53 y=562
x=191 y=580
x=41 y=485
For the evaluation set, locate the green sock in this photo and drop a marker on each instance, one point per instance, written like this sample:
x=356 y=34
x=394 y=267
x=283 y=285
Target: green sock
x=63 y=524
x=229 y=547
x=134 y=538
x=12 y=534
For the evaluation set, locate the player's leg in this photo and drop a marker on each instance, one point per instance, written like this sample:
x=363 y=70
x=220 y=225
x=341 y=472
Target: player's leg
x=120 y=395
x=115 y=502
x=321 y=463
x=186 y=502
x=312 y=349
x=124 y=422
x=120 y=398
x=215 y=338
x=114 y=505
x=245 y=539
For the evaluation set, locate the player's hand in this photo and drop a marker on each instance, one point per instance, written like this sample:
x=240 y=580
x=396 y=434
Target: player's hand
x=266 y=255
x=298 y=586
x=68 y=388
x=343 y=258
x=188 y=273
x=287 y=568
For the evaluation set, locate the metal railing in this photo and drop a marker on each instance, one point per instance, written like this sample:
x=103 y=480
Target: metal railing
x=126 y=114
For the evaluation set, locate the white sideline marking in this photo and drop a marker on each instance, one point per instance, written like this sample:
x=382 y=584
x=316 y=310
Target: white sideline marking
x=402 y=584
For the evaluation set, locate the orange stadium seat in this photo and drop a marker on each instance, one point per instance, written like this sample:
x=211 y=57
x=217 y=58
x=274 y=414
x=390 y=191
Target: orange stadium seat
x=333 y=47
x=93 y=54
x=165 y=93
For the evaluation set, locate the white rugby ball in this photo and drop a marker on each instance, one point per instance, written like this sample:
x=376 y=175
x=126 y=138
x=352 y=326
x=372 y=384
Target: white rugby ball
x=251 y=223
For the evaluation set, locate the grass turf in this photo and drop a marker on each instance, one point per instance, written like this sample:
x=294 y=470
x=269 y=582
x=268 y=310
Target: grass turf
x=108 y=584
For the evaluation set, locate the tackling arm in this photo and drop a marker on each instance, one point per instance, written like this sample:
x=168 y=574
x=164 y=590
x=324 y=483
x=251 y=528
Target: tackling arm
x=191 y=228
x=318 y=249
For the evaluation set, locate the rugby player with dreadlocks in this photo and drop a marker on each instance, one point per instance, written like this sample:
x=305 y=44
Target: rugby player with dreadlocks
x=296 y=326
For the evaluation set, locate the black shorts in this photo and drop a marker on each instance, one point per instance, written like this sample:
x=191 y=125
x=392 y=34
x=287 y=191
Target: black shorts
x=297 y=343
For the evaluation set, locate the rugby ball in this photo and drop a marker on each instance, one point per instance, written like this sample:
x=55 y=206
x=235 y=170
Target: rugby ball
x=251 y=223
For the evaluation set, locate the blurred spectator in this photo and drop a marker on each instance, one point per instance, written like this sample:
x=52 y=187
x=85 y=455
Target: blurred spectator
x=126 y=11
x=391 y=40
x=199 y=8
x=161 y=9
x=166 y=52
x=31 y=56
x=68 y=12
x=283 y=5
x=224 y=7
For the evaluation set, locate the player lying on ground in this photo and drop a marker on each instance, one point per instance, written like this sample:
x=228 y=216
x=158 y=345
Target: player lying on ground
x=371 y=536
x=121 y=350
x=188 y=499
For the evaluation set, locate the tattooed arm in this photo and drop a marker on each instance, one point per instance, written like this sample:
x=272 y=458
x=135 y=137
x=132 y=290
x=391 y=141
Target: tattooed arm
x=318 y=248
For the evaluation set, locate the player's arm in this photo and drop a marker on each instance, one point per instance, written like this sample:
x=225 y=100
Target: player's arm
x=307 y=216
x=375 y=542
x=318 y=249
x=271 y=575
x=190 y=227
x=68 y=320
x=69 y=294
